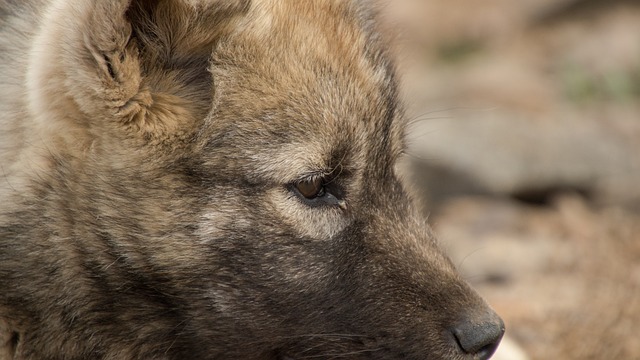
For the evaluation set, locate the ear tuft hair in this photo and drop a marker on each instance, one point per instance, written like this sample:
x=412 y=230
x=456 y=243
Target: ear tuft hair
x=137 y=65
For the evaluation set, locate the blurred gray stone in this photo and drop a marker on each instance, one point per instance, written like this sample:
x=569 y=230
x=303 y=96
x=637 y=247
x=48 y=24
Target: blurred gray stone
x=507 y=154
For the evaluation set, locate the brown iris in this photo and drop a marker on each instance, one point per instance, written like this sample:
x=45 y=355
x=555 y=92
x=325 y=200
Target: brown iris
x=311 y=188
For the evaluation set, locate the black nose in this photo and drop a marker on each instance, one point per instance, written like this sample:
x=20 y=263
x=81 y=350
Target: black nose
x=479 y=338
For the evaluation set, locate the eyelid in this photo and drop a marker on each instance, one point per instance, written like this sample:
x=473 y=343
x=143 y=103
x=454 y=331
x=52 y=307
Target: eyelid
x=332 y=200
x=328 y=199
x=311 y=176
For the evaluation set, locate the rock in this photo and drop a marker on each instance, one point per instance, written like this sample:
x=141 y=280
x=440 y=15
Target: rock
x=508 y=154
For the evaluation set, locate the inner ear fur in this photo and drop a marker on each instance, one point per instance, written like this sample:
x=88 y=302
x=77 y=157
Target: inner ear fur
x=149 y=60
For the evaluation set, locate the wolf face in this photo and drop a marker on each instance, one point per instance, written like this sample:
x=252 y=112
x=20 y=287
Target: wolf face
x=217 y=180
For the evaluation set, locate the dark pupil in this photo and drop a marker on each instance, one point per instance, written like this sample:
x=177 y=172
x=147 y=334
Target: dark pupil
x=311 y=188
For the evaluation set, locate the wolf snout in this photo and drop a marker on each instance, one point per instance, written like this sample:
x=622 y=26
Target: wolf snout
x=479 y=337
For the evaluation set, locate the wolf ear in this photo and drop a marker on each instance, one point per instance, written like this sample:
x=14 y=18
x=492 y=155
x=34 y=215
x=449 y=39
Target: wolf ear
x=143 y=63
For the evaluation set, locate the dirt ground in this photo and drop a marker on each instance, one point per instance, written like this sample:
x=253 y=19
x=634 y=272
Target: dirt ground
x=565 y=277
x=527 y=144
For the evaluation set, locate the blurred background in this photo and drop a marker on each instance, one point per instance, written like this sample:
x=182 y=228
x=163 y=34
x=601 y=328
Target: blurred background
x=526 y=142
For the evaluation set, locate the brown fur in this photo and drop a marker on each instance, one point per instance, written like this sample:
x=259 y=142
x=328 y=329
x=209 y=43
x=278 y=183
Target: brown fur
x=150 y=156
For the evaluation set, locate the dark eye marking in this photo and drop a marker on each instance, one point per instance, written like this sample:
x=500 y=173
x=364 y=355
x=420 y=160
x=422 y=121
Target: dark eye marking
x=317 y=191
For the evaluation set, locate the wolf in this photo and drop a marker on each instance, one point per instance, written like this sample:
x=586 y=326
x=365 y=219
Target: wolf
x=214 y=179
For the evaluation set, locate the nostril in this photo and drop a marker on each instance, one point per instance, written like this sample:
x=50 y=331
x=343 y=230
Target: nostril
x=479 y=339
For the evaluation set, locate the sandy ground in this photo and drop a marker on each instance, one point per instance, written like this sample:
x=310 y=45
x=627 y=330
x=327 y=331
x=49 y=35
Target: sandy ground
x=527 y=144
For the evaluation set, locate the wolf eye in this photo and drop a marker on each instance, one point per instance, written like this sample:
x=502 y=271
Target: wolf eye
x=311 y=189
x=317 y=191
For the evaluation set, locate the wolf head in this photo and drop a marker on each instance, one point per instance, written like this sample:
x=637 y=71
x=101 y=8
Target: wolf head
x=220 y=181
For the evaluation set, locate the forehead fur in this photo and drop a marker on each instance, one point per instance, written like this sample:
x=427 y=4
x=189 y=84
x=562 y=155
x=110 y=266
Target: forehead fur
x=318 y=80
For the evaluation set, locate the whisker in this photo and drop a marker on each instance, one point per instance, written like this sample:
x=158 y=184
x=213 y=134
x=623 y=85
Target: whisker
x=343 y=354
x=469 y=255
